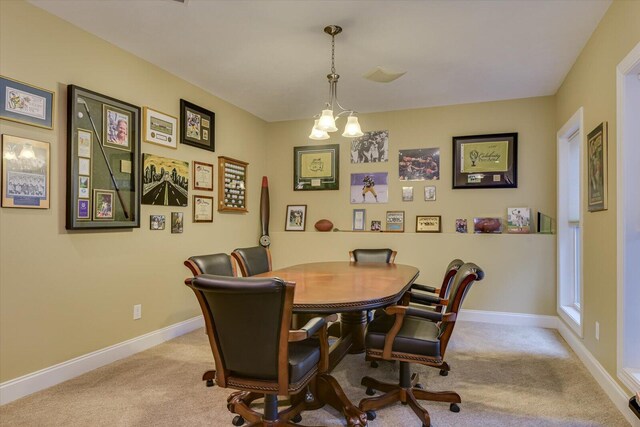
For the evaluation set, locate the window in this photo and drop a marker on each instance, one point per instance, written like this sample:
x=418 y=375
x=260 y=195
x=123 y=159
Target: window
x=570 y=222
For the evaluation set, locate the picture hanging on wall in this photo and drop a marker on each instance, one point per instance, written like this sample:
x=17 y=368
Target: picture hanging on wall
x=485 y=161
x=372 y=147
x=369 y=187
x=197 y=126
x=316 y=167
x=25 y=173
x=177 y=222
x=518 y=220
x=296 y=218
x=597 y=155
x=419 y=164
x=165 y=181
x=23 y=103
x=159 y=128
x=156 y=222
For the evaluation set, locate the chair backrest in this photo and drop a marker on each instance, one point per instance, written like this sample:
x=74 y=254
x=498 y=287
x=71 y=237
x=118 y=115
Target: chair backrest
x=248 y=325
x=449 y=274
x=252 y=261
x=466 y=276
x=218 y=264
x=373 y=255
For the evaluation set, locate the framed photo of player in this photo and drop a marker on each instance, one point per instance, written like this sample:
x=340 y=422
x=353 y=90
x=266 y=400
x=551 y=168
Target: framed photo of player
x=197 y=126
x=370 y=187
x=296 y=218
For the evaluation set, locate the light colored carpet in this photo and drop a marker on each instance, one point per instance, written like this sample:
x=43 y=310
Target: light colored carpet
x=506 y=376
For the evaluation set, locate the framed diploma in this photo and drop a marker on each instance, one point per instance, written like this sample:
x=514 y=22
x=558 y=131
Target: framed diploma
x=202 y=209
x=202 y=176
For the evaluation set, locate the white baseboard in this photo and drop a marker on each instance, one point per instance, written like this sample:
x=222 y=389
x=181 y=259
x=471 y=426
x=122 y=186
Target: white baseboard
x=36 y=381
x=602 y=377
x=506 y=318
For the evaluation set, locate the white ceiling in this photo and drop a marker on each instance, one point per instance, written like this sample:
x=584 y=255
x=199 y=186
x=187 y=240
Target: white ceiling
x=271 y=57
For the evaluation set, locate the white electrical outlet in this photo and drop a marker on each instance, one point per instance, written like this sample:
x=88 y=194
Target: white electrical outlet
x=137 y=311
x=598 y=331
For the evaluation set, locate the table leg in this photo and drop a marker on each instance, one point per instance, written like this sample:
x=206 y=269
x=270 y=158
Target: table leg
x=354 y=324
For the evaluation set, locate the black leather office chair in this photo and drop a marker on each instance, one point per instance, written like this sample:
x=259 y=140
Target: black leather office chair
x=218 y=264
x=247 y=321
x=373 y=255
x=424 y=296
x=410 y=334
x=252 y=261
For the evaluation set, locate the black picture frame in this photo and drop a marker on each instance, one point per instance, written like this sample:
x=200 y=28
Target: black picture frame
x=197 y=126
x=109 y=169
x=316 y=167
x=485 y=161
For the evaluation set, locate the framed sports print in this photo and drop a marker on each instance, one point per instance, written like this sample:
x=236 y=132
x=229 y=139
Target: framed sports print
x=25 y=173
x=358 y=219
x=27 y=104
x=371 y=187
x=202 y=176
x=597 y=152
x=159 y=128
x=407 y=194
x=296 y=218
x=430 y=193
x=419 y=164
x=428 y=224
x=177 y=222
x=103 y=161
x=316 y=167
x=156 y=222
x=395 y=221
x=202 y=209
x=197 y=126
x=485 y=161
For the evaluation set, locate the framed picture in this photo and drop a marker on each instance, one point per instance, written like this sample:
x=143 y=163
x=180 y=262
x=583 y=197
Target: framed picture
x=369 y=187
x=372 y=147
x=428 y=224
x=103 y=143
x=202 y=176
x=430 y=193
x=23 y=103
x=103 y=205
x=487 y=225
x=316 y=167
x=156 y=222
x=485 y=161
x=407 y=194
x=232 y=185
x=177 y=222
x=358 y=219
x=461 y=225
x=159 y=128
x=419 y=164
x=202 y=209
x=166 y=181
x=519 y=220
x=197 y=126
x=395 y=221
x=25 y=173
x=296 y=218
x=597 y=169
x=376 y=225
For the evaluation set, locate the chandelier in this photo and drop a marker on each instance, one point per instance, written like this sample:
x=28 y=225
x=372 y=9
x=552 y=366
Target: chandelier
x=326 y=121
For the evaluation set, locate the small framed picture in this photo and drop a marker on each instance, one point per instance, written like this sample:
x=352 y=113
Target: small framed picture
x=103 y=204
x=197 y=126
x=156 y=222
x=430 y=193
x=26 y=104
x=519 y=220
x=358 y=219
x=202 y=176
x=395 y=221
x=296 y=218
x=83 y=187
x=428 y=224
x=597 y=168
x=202 y=209
x=177 y=222
x=116 y=127
x=407 y=194
x=25 y=173
x=84 y=211
x=159 y=128
x=84 y=166
x=461 y=225
x=376 y=225
x=85 y=139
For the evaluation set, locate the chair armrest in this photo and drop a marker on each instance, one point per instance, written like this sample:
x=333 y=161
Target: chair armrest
x=310 y=328
x=425 y=299
x=425 y=288
x=434 y=316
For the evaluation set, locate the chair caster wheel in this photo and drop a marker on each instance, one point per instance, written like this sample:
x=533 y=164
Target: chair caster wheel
x=237 y=420
x=296 y=419
x=374 y=364
x=370 y=391
x=371 y=415
x=420 y=386
x=444 y=373
x=454 y=407
x=209 y=383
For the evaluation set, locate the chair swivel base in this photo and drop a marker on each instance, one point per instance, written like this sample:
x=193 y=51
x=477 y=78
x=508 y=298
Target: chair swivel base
x=239 y=403
x=406 y=395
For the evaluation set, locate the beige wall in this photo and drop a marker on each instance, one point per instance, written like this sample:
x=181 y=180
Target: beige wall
x=64 y=294
x=591 y=84
x=520 y=269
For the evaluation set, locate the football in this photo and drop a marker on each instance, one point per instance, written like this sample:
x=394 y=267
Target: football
x=324 y=225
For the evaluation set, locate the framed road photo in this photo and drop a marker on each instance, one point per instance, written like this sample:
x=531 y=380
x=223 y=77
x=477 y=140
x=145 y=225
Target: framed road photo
x=25 y=173
x=296 y=218
x=197 y=126
x=202 y=209
x=485 y=161
x=159 y=128
x=316 y=167
x=358 y=219
x=202 y=176
x=23 y=103
x=597 y=158
x=428 y=224
x=395 y=221
x=165 y=181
